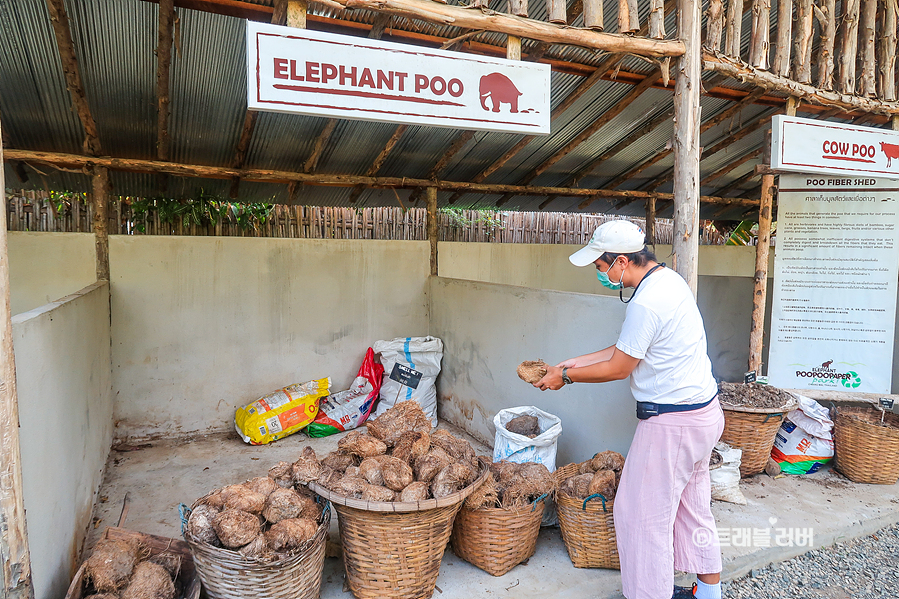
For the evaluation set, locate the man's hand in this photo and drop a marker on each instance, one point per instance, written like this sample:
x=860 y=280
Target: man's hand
x=552 y=380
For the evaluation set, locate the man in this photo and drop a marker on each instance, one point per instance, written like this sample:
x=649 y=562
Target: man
x=663 y=518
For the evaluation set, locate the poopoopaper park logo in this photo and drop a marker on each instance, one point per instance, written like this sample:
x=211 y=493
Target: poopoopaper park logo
x=824 y=375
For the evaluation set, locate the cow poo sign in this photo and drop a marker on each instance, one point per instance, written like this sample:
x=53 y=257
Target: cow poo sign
x=835 y=275
x=322 y=74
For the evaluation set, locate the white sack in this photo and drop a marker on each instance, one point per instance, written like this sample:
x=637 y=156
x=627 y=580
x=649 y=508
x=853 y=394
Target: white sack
x=418 y=353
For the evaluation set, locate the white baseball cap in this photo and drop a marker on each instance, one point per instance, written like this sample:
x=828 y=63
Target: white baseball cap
x=617 y=236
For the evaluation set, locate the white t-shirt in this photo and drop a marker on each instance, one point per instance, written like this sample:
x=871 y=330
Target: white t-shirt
x=664 y=330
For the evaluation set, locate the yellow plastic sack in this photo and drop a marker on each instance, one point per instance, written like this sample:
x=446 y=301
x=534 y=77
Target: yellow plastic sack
x=281 y=413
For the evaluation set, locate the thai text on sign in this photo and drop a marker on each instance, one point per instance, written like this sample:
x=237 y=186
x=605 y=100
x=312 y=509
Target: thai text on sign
x=322 y=74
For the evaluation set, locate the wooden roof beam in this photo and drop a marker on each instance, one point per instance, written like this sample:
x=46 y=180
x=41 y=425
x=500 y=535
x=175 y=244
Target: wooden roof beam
x=76 y=161
x=379 y=161
x=60 y=20
x=318 y=147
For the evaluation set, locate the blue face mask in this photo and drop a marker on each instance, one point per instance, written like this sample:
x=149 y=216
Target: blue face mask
x=604 y=278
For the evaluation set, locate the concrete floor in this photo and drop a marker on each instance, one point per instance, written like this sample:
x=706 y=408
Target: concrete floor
x=156 y=478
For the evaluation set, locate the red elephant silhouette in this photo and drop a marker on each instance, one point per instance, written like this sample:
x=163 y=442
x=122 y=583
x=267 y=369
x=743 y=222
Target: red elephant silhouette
x=827 y=364
x=500 y=90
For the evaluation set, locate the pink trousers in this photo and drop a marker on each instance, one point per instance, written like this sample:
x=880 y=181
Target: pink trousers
x=663 y=516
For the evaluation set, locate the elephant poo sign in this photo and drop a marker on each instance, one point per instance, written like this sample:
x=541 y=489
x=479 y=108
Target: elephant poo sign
x=812 y=146
x=322 y=74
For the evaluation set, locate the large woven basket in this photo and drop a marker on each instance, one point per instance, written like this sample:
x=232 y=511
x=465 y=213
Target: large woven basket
x=753 y=430
x=228 y=575
x=497 y=539
x=587 y=527
x=866 y=450
x=393 y=549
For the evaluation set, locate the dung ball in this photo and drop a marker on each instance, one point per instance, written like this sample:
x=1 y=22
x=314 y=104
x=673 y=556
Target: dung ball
x=427 y=466
x=236 y=528
x=290 y=534
x=377 y=493
x=263 y=485
x=200 y=527
x=239 y=497
x=607 y=460
x=396 y=473
x=528 y=426
x=111 y=564
x=149 y=581
x=603 y=483
x=358 y=443
x=281 y=505
x=405 y=416
x=416 y=491
x=411 y=445
x=531 y=371
x=339 y=460
x=282 y=473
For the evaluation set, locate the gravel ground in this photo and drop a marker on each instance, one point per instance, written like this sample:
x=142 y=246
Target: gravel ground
x=864 y=568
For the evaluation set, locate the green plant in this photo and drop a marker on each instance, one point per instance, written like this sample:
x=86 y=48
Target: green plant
x=460 y=217
x=203 y=209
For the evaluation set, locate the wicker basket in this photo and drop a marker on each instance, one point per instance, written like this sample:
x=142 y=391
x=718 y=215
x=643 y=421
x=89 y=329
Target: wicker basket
x=587 y=527
x=497 y=539
x=228 y=575
x=186 y=583
x=753 y=430
x=393 y=549
x=866 y=451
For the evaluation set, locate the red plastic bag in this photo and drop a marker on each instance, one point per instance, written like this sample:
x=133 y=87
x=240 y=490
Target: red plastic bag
x=348 y=409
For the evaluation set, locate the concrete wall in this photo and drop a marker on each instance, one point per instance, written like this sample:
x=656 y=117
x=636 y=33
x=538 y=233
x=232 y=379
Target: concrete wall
x=489 y=329
x=202 y=325
x=724 y=291
x=44 y=267
x=65 y=415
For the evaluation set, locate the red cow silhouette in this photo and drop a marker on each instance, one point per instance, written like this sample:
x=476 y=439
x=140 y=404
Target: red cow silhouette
x=829 y=362
x=500 y=90
x=891 y=150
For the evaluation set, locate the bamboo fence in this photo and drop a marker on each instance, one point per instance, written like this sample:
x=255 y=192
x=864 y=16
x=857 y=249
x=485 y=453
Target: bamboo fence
x=34 y=211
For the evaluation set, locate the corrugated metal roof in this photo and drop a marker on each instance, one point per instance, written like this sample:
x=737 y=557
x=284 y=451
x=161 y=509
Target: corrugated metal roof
x=115 y=43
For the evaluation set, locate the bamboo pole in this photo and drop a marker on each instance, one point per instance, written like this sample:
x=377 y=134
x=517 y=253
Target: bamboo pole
x=802 y=45
x=734 y=28
x=761 y=25
x=827 y=23
x=768 y=80
x=628 y=16
x=593 y=17
x=888 y=50
x=685 y=248
x=57 y=160
x=781 y=64
x=15 y=558
x=868 y=81
x=848 y=46
x=431 y=196
x=715 y=25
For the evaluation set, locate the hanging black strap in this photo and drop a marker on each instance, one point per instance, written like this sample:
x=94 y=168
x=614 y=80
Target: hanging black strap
x=621 y=291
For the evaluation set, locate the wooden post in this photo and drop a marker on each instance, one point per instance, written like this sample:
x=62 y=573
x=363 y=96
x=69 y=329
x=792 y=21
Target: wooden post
x=887 y=60
x=827 y=21
x=734 y=28
x=781 y=64
x=802 y=51
x=868 y=82
x=657 y=19
x=593 y=17
x=431 y=196
x=100 y=201
x=760 y=285
x=761 y=25
x=163 y=68
x=556 y=11
x=651 y=221
x=715 y=25
x=513 y=47
x=296 y=13
x=628 y=16
x=518 y=8
x=15 y=559
x=686 y=144
x=848 y=46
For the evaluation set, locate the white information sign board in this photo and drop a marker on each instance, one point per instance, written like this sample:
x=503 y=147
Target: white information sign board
x=835 y=277
x=812 y=146
x=323 y=74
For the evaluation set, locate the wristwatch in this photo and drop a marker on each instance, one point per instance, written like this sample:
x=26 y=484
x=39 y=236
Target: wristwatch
x=565 y=378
